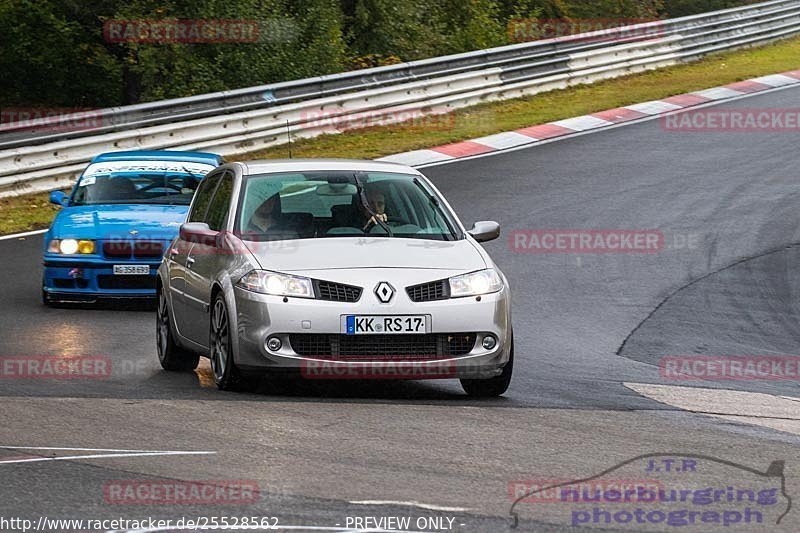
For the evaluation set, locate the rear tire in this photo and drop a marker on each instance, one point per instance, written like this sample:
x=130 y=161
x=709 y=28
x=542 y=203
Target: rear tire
x=492 y=387
x=226 y=374
x=171 y=356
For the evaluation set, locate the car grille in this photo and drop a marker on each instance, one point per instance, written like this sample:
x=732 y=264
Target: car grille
x=382 y=346
x=148 y=249
x=133 y=249
x=69 y=283
x=427 y=292
x=337 y=292
x=118 y=249
x=126 y=282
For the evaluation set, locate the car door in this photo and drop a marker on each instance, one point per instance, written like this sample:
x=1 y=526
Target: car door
x=204 y=262
x=178 y=254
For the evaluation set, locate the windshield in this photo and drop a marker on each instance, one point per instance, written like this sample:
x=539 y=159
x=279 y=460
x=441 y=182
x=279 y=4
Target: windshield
x=139 y=183
x=341 y=204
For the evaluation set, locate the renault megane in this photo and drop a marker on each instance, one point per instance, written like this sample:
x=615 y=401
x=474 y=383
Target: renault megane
x=333 y=269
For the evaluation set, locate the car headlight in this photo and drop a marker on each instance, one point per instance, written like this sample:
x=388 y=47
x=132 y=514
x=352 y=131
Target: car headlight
x=475 y=283
x=277 y=284
x=71 y=246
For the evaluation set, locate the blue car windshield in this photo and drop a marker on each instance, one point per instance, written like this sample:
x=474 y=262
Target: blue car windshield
x=164 y=188
x=139 y=182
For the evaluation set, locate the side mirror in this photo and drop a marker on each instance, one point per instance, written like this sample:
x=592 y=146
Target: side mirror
x=199 y=233
x=58 y=198
x=485 y=230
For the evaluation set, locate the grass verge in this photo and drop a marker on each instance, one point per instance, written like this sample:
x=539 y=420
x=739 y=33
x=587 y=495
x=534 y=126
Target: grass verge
x=31 y=212
x=26 y=213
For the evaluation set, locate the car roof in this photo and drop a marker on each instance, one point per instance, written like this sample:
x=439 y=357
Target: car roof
x=161 y=155
x=265 y=166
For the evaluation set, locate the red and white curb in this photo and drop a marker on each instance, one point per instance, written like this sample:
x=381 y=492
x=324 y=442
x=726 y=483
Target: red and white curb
x=560 y=128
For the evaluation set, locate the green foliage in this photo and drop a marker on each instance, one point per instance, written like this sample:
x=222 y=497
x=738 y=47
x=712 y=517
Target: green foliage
x=54 y=52
x=680 y=8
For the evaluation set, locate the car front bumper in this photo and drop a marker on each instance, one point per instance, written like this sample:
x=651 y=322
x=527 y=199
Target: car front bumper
x=73 y=279
x=457 y=327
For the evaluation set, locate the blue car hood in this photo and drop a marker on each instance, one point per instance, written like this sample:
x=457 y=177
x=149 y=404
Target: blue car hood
x=100 y=222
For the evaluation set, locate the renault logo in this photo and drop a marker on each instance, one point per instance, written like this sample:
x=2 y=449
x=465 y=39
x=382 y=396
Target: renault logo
x=134 y=232
x=384 y=292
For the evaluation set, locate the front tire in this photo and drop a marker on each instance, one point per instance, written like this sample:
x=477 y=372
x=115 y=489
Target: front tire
x=492 y=387
x=171 y=356
x=226 y=375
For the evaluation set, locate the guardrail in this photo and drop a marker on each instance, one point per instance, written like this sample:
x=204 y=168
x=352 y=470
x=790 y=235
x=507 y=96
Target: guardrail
x=254 y=118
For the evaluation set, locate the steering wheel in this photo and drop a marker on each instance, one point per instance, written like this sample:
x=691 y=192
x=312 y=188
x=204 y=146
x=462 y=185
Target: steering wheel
x=392 y=222
x=397 y=221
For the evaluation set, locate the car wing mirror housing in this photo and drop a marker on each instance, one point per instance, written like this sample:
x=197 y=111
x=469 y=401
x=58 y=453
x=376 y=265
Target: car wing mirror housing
x=199 y=233
x=58 y=198
x=485 y=230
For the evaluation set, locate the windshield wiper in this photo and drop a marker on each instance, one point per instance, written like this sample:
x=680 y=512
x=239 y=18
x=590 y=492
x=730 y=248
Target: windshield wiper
x=428 y=194
x=365 y=202
x=192 y=174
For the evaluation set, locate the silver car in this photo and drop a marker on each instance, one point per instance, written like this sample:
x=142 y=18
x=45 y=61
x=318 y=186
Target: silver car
x=333 y=269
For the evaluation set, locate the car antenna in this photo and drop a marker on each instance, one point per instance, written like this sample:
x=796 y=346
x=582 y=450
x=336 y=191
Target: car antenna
x=289 y=136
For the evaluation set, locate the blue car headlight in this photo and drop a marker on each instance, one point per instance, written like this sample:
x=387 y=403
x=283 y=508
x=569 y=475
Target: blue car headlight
x=71 y=246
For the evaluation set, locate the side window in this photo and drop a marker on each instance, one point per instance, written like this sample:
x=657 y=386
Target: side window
x=218 y=209
x=203 y=197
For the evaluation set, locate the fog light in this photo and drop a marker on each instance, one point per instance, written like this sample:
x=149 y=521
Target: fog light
x=86 y=247
x=489 y=342
x=274 y=344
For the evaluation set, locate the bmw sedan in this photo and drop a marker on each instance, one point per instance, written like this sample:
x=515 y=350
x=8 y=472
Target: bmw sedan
x=111 y=233
x=333 y=269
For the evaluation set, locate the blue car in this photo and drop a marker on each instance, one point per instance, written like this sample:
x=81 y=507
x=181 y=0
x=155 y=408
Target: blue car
x=115 y=225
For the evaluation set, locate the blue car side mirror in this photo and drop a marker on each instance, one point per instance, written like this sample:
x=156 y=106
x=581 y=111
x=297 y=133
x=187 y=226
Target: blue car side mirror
x=58 y=198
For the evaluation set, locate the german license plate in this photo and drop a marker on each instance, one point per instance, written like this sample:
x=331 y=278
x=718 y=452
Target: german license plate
x=131 y=270
x=382 y=325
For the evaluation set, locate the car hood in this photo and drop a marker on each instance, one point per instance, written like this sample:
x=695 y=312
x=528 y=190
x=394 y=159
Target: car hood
x=351 y=253
x=158 y=222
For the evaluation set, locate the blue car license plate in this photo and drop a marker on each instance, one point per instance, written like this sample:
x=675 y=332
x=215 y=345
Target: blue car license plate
x=131 y=270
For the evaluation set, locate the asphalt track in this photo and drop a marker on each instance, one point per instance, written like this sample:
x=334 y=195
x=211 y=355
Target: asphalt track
x=726 y=283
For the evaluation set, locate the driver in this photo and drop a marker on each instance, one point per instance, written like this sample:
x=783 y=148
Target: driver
x=377 y=202
x=265 y=217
